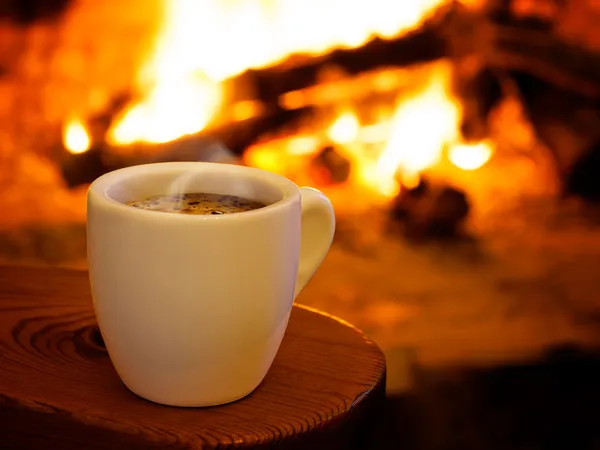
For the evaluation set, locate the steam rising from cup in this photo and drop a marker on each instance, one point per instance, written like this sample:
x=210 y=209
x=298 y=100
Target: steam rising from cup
x=201 y=191
x=212 y=151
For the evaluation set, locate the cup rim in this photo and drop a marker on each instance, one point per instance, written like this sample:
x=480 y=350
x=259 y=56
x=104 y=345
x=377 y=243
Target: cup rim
x=98 y=190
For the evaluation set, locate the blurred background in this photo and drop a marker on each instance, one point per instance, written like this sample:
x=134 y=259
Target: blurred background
x=458 y=140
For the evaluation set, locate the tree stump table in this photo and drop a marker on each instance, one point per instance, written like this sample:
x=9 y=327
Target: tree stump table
x=58 y=388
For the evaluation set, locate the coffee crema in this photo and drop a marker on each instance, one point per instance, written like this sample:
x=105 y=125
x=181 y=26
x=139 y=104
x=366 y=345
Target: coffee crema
x=197 y=203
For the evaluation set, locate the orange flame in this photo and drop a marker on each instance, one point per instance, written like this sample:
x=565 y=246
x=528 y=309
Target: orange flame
x=470 y=156
x=345 y=129
x=421 y=126
x=423 y=123
x=76 y=138
x=203 y=42
x=412 y=139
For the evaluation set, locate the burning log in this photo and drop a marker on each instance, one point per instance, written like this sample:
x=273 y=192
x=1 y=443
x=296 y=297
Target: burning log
x=197 y=147
x=223 y=143
x=504 y=41
x=82 y=168
x=330 y=167
x=430 y=210
x=423 y=45
x=519 y=48
x=480 y=94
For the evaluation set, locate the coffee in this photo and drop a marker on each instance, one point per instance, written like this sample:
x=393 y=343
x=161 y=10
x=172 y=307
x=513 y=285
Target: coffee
x=197 y=203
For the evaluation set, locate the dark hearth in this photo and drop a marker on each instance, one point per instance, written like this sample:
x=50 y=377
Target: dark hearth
x=547 y=403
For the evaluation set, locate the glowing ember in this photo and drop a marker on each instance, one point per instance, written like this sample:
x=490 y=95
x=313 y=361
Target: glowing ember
x=345 y=129
x=303 y=145
x=470 y=157
x=75 y=137
x=204 y=42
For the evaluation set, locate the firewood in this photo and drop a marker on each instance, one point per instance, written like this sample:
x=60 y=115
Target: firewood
x=82 y=168
x=505 y=43
x=330 y=167
x=423 y=45
x=222 y=143
x=514 y=47
x=430 y=210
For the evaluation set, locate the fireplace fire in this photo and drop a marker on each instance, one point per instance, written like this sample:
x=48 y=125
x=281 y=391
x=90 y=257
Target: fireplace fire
x=419 y=129
x=372 y=131
x=363 y=107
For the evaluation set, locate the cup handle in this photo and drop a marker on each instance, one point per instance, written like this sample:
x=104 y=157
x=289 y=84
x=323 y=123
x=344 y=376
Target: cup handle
x=318 y=227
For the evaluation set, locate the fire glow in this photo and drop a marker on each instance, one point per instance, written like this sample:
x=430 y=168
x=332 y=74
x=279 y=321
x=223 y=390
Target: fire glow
x=75 y=137
x=421 y=131
x=202 y=43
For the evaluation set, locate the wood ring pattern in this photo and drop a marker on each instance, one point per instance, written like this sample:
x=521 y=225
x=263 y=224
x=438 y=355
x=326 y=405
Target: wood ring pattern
x=58 y=388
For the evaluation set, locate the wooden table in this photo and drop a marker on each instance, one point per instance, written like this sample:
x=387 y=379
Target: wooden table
x=58 y=389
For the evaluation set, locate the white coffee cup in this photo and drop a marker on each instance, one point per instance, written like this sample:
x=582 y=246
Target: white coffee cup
x=193 y=308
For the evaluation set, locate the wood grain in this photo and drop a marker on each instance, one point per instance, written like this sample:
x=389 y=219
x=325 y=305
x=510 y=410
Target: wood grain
x=58 y=388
